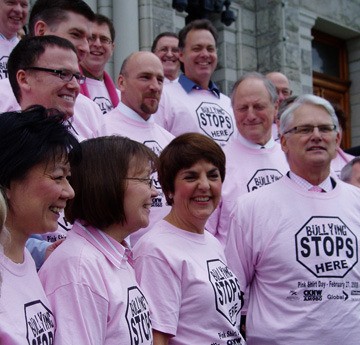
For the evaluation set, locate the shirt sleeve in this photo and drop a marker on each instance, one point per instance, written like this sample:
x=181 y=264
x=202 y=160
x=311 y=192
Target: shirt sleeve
x=81 y=315
x=37 y=248
x=162 y=288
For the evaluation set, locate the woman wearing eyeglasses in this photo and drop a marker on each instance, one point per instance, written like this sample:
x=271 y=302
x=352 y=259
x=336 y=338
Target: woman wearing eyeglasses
x=88 y=279
x=194 y=297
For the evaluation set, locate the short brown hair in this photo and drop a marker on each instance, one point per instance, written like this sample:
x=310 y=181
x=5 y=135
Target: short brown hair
x=183 y=152
x=99 y=180
x=198 y=24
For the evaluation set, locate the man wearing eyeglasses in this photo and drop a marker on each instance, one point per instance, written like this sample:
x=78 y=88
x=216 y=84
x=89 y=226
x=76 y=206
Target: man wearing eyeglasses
x=283 y=90
x=295 y=242
x=166 y=47
x=69 y=19
x=99 y=86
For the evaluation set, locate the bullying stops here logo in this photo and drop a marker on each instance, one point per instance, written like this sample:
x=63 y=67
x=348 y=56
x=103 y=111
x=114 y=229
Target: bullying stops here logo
x=3 y=67
x=215 y=122
x=263 y=177
x=40 y=324
x=326 y=247
x=228 y=295
x=138 y=317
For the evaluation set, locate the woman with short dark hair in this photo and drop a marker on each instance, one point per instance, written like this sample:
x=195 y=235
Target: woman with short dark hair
x=34 y=171
x=194 y=297
x=88 y=279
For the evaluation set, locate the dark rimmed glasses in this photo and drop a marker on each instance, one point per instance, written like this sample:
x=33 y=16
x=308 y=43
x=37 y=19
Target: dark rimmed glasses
x=63 y=74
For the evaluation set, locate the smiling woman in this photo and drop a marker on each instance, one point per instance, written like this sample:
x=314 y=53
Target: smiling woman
x=34 y=166
x=180 y=266
x=93 y=290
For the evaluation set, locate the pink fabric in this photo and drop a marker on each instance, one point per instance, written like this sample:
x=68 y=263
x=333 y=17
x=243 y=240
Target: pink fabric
x=5 y=49
x=110 y=86
x=247 y=169
x=198 y=111
x=93 y=292
x=25 y=313
x=124 y=121
x=298 y=252
x=85 y=123
x=192 y=293
x=340 y=161
x=316 y=189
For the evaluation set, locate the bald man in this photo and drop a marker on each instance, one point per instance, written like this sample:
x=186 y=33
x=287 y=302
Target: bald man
x=140 y=82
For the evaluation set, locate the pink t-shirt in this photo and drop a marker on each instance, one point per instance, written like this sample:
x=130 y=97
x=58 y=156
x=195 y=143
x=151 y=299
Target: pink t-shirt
x=25 y=313
x=100 y=95
x=6 y=46
x=93 y=292
x=298 y=251
x=85 y=122
x=198 y=111
x=126 y=122
x=192 y=293
x=247 y=169
x=341 y=159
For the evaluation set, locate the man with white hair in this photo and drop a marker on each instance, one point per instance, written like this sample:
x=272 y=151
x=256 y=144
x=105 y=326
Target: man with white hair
x=295 y=242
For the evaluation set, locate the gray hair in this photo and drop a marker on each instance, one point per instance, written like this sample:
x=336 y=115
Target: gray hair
x=346 y=171
x=288 y=114
x=270 y=87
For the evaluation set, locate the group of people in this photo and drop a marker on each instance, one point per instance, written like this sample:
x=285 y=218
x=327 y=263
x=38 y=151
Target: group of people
x=158 y=210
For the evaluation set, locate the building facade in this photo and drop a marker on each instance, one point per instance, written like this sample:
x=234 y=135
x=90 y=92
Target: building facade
x=315 y=43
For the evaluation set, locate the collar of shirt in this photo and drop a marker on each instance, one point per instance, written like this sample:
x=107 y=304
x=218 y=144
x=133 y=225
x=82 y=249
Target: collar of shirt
x=270 y=144
x=189 y=85
x=128 y=112
x=326 y=185
x=12 y=39
x=117 y=253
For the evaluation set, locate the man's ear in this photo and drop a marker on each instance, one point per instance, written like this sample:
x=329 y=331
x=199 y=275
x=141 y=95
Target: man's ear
x=283 y=143
x=121 y=82
x=22 y=79
x=40 y=28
